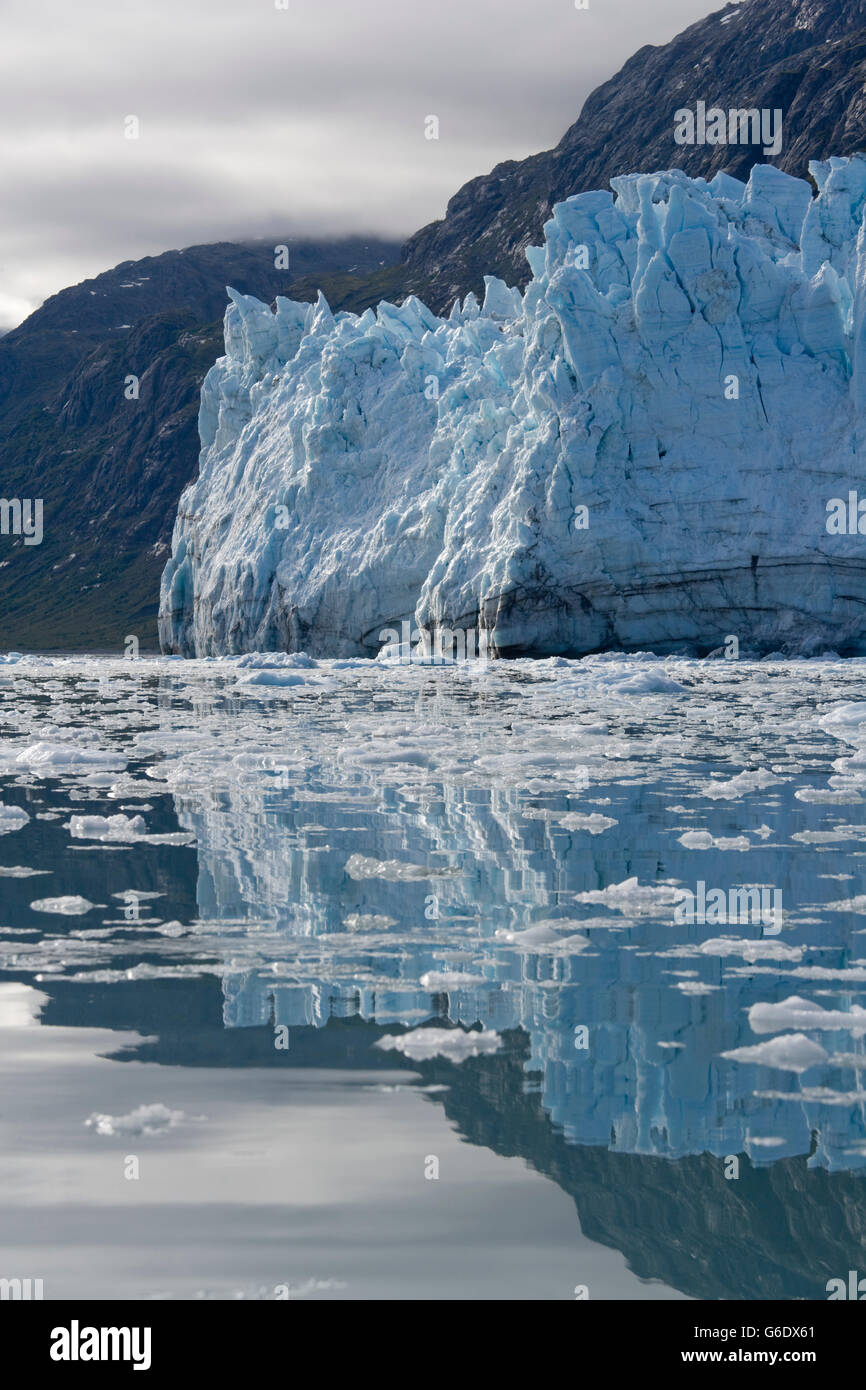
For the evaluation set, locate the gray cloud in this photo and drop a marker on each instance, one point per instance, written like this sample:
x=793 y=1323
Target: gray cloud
x=308 y=120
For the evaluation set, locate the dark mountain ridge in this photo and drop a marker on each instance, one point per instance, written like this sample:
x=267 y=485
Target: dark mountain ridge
x=110 y=468
x=804 y=57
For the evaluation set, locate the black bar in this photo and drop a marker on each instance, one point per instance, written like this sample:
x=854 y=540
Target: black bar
x=252 y=1339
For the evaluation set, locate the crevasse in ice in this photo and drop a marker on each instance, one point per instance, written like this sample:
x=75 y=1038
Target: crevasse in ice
x=638 y=452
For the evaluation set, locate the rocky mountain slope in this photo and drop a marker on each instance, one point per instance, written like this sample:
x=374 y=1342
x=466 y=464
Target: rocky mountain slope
x=806 y=58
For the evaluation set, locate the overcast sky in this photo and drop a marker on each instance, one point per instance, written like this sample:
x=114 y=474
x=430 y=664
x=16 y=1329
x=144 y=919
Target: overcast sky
x=255 y=120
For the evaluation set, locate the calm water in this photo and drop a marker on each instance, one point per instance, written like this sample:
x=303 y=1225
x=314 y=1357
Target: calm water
x=379 y=984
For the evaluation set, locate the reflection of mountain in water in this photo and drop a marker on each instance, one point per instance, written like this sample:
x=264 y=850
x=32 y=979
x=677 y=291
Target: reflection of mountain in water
x=778 y=1231
x=659 y=1010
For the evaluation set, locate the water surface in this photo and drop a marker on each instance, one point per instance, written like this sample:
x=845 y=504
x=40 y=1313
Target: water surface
x=307 y=934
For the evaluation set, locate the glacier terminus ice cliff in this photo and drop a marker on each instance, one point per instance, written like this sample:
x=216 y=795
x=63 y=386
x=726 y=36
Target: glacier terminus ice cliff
x=656 y=446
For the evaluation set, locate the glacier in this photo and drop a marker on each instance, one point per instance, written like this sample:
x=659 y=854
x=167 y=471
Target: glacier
x=643 y=451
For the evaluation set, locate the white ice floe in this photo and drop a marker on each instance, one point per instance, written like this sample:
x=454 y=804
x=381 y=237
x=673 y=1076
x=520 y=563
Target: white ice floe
x=750 y=950
x=632 y=896
x=362 y=866
x=741 y=785
x=368 y=922
x=846 y=721
x=816 y=1095
x=593 y=822
x=824 y=796
x=145 y=1120
x=795 y=1012
x=440 y=981
x=702 y=839
x=48 y=759
x=545 y=937
x=452 y=1043
x=793 y=1052
x=69 y=906
x=20 y=1005
x=12 y=818
x=122 y=829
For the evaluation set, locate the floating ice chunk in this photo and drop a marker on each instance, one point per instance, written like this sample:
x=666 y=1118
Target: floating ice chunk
x=424 y=1043
x=804 y=1013
x=846 y=722
x=857 y=1060
x=258 y=661
x=303 y=676
x=368 y=922
x=21 y=871
x=54 y=759
x=122 y=829
x=146 y=1120
x=793 y=1052
x=630 y=896
x=68 y=906
x=361 y=866
x=117 y=827
x=740 y=785
x=824 y=837
x=146 y=971
x=544 y=937
x=815 y=1095
x=647 y=683
x=762 y=949
x=12 y=818
x=441 y=981
x=593 y=822
x=283 y=678
x=854 y=975
x=826 y=796
x=20 y=1005
x=702 y=839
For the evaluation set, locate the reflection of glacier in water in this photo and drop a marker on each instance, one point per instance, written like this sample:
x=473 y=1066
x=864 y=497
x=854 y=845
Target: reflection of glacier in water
x=465 y=846
x=504 y=847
